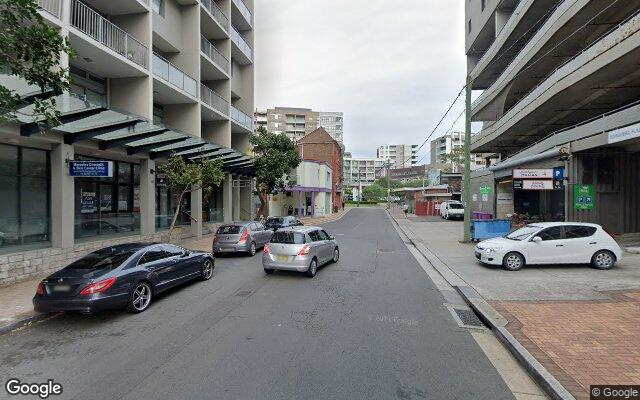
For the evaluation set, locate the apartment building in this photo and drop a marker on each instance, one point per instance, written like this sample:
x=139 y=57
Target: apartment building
x=445 y=145
x=560 y=108
x=400 y=155
x=362 y=171
x=296 y=123
x=151 y=78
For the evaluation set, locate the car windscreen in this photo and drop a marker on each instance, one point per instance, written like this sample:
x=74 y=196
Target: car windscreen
x=274 y=221
x=287 y=237
x=110 y=258
x=229 y=230
x=456 y=206
x=523 y=233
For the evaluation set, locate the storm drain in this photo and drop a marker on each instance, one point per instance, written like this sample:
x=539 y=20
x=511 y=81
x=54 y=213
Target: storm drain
x=466 y=318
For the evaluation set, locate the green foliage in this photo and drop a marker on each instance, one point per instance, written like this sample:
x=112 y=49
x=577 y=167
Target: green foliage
x=374 y=192
x=348 y=193
x=392 y=183
x=31 y=49
x=456 y=157
x=416 y=183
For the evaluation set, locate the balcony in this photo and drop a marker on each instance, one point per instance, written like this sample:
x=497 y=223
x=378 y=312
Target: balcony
x=215 y=102
x=241 y=15
x=53 y=7
x=240 y=118
x=92 y=28
x=220 y=29
x=175 y=78
x=241 y=51
x=218 y=65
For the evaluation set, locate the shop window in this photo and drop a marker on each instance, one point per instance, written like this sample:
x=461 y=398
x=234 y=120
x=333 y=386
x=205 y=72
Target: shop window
x=606 y=170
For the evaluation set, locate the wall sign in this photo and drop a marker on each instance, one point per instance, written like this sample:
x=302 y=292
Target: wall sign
x=558 y=173
x=628 y=132
x=537 y=184
x=95 y=169
x=485 y=189
x=533 y=174
x=517 y=184
x=583 y=197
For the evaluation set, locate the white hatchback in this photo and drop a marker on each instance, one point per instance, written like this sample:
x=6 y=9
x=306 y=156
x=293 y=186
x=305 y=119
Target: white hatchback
x=551 y=243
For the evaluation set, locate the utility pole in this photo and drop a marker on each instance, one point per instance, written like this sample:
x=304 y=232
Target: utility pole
x=467 y=163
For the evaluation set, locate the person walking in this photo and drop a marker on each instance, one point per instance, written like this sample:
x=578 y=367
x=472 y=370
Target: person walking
x=405 y=208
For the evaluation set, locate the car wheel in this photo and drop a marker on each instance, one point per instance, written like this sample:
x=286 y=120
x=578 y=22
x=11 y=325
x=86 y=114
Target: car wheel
x=513 y=261
x=207 y=269
x=313 y=268
x=252 y=249
x=336 y=255
x=269 y=271
x=140 y=298
x=603 y=259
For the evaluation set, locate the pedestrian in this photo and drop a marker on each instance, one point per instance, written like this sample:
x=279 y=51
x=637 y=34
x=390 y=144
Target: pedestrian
x=405 y=208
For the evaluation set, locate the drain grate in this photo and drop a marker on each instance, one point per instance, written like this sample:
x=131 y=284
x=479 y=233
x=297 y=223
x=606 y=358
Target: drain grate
x=468 y=318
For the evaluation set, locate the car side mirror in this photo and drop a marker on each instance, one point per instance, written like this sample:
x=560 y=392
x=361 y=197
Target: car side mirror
x=185 y=253
x=536 y=239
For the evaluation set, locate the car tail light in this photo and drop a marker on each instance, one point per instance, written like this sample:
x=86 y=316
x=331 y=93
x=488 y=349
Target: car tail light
x=40 y=289
x=245 y=235
x=99 y=287
x=304 y=250
x=266 y=248
x=216 y=239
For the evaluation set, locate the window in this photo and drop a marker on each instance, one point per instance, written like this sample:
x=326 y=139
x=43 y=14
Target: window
x=153 y=255
x=323 y=235
x=157 y=6
x=288 y=237
x=483 y=4
x=229 y=230
x=469 y=26
x=553 y=233
x=576 y=232
x=109 y=259
x=173 y=251
x=314 y=236
x=158 y=114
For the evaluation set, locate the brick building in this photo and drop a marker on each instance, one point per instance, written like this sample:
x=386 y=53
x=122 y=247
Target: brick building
x=320 y=146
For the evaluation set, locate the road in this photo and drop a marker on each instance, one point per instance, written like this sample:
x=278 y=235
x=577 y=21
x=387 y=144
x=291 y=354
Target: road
x=372 y=326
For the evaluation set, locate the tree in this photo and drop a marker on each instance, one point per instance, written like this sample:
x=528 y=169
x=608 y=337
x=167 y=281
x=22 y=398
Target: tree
x=183 y=178
x=31 y=50
x=455 y=157
x=374 y=192
x=392 y=183
x=348 y=193
x=275 y=157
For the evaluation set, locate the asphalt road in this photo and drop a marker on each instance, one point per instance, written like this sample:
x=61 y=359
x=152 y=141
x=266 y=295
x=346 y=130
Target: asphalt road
x=372 y=326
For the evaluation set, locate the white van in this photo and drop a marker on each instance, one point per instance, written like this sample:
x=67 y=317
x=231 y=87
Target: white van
x=452 y=209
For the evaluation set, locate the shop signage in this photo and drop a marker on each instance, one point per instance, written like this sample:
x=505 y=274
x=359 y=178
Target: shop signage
x=95 y=169
x=517 y=184
x=533 y=173
x=485 y=189
x=537 y=184
x=583 y=197
x=626 y=133
x=485 y=197
x=88 y=202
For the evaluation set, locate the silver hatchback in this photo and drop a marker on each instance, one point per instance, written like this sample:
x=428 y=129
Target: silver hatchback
x=301 y=249
x=240 y=237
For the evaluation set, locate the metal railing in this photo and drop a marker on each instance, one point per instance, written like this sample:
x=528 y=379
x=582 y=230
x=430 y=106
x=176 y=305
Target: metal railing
x=166 y=71
x=102 y=30
x=241 y=118
x=237 y=38
x=214 y=100
x=214 y=54
x=53 y=7
x=244 y=10
x=217 y=13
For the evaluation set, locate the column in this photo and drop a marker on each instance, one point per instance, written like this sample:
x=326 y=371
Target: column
x=313 y=204
x=62 y=197
x=227 y=198
x=246 y=210
x=300 y=209
x=196 y=213
x=147 y=197
x=236 y=201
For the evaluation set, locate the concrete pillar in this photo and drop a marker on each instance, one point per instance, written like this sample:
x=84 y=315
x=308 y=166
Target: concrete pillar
x=62 y=197
x=147 y=197
x=196 y=213
x=300 y=202
x=236 y=203
x=246 y=211
x=313 y=204
x=227 y=198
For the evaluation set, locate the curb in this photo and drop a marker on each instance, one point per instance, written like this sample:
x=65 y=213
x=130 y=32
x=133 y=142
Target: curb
x=24 y=322
x=494 y=320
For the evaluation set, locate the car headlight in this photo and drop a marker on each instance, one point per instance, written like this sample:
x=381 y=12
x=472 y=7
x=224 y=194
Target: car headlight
x=492 y=250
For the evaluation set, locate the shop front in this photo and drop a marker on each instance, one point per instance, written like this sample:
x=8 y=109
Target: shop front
x=539 y=194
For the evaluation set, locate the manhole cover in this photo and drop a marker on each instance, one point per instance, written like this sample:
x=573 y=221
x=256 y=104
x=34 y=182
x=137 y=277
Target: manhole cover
x=243 y=293
x=468 y=318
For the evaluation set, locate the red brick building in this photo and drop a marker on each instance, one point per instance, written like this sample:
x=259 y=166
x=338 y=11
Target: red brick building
x=320 y=146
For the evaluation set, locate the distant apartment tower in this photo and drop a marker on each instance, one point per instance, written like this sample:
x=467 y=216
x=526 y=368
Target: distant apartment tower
x=400 y=155
x=361 y=170
x=296 y=122
x=444 y=145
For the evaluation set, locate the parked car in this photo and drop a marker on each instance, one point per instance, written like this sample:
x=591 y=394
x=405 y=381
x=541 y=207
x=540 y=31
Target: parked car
x=452 y=210
x=123 y=276
x=301 y=249
x=240 y=237
x=275 y=223
x=551 y=243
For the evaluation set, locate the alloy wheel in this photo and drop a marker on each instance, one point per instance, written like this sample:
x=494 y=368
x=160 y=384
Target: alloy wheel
x=514 y=262
x=207 y=270
x=336 y=255
x=141 y=297
x=604 y=260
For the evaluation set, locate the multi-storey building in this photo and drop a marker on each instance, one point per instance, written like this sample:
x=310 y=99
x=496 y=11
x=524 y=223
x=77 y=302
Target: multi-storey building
x=362 y=171
x=151 y=78
x=400 y=155
x=299 y=122
x=560 y=101
x=445 y=145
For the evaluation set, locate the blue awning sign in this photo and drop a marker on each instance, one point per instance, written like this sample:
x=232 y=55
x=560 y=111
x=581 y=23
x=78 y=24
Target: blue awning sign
x=90 y=168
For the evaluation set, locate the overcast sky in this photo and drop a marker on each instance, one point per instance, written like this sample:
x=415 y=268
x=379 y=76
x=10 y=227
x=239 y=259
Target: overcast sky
x=392 y=67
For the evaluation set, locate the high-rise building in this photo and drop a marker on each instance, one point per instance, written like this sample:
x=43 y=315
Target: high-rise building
x=150 y=79
x=447 y=144
x=299 y=122
x=400 y=155
x=361 y=171
x=560 y=109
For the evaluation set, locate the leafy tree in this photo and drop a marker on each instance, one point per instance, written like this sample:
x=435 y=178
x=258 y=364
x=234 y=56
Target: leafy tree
x=185 y=178
x=392 y=183
x=374 y=192
x=348 y=193
x=455 y=157
x=31 y=50
x=275 y=156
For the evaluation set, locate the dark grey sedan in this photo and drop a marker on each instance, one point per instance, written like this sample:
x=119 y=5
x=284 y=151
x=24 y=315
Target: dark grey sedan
x=123 y=276
x=240 y=237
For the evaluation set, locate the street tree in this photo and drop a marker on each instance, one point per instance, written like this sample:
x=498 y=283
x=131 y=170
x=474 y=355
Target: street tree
x=31 y=50
x=374 y=192
x=183 y=178
x=275 y=157
x=393 y=184
x=455 y=158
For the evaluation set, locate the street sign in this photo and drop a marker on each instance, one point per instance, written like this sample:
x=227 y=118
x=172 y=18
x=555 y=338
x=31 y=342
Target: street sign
x=94 y=169
x=517 y=184
x=537 y=184
x=583 y=197
x=533 y=173
x=558 y=173
x=485 y=189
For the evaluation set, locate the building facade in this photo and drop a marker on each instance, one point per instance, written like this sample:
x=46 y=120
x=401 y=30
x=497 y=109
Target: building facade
x=150 y=79
x=404 y=174
x=400 y=155
x=296 y=123
x=309 y=196
x=445 y=145
x=362 y=171
x=560 y=109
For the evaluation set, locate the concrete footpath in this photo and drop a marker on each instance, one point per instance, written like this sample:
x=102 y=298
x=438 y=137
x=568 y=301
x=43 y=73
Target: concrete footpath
x=575 y=326
x=17 y=309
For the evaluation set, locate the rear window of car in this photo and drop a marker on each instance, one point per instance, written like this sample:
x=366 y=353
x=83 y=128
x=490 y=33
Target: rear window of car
x=274 y=221
x=102 y=259
x=288 y=238
x=577 y=231
x=229 y=230
x=456 y=206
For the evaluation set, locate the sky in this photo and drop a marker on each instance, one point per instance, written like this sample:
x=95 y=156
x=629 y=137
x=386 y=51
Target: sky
x=392 y=67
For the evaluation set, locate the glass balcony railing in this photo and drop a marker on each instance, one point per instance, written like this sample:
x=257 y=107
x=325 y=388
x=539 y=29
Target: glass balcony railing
x=241 y=118
x=217 y=13
x=212 y=52
x=244 y=10
x=168 y=72
x=237 y=38
x=213 y=100
x=53 y=7
x=102 y=30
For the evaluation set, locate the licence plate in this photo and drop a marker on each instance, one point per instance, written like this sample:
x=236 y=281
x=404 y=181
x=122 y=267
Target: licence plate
x=282 y=258
x=61 y=288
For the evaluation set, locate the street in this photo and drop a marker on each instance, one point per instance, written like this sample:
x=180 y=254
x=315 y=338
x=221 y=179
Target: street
x=372 y=326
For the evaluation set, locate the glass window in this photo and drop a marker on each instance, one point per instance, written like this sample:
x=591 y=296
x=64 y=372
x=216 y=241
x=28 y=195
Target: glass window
x=314 y=236
x=523 y=233
x=553 y=233
x=152 y=255
x=576 y=232
x=109 y=258
x=324 y=235
x=157 y=6
x=287 y=237
x=173 y=251
x=8 y=160
x=136 y=174
x=124 y=172
x=106 y=197
x=229 y=230
x=34 y=162
x=123 y=198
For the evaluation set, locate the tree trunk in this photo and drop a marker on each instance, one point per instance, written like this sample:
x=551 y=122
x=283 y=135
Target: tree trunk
x=263 y=210
x=175 y=215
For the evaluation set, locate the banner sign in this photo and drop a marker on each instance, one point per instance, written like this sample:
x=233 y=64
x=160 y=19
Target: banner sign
x=95 y=169
x=533 y=174
x=532 y=184
x=583 y=197
x=628 y=132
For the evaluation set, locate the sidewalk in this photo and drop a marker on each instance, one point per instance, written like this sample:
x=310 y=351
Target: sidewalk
x=581 y=324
